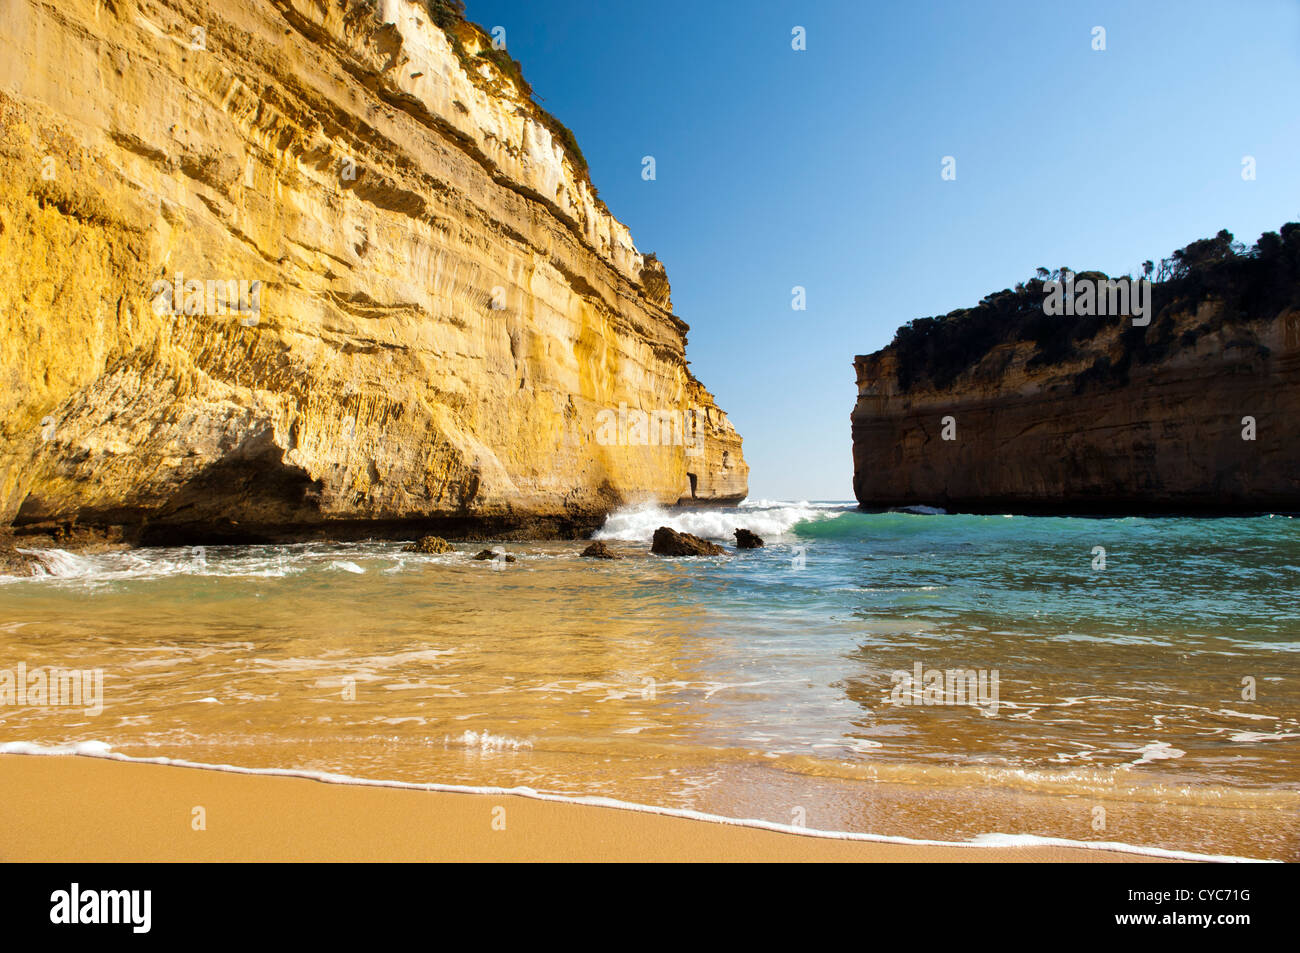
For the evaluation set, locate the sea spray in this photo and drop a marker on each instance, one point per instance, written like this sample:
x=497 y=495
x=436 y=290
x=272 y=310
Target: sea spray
x=767 y=519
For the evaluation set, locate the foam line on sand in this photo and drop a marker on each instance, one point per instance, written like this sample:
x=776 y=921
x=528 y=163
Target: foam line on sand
x=101 y=805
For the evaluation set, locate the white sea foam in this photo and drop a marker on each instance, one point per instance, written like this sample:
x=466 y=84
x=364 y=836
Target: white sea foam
x=90 y=749
x=485 y=741
x=55 y=565
x=99 y=749
x=1158 y=751
x=58 y=565
x=1250 y=737
x=1242 y=714
x=60 y=562
x=767 y=518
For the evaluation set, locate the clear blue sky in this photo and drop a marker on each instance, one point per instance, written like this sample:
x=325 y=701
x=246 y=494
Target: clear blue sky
x=821 y=168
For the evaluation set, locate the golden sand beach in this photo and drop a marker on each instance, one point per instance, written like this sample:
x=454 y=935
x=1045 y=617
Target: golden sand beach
x=92 y=809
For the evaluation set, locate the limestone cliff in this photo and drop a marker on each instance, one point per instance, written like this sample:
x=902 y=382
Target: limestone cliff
x=435 y=306
x=1194 y=412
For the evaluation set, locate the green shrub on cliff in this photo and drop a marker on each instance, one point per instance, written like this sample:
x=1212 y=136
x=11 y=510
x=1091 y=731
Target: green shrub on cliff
x=446 y=13
x=1252 y=284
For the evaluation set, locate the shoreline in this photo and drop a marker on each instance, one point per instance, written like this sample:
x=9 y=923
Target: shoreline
x=94 y=537
x=96 y=806
x=992 y=506
x=91 y=534
x=78 y=536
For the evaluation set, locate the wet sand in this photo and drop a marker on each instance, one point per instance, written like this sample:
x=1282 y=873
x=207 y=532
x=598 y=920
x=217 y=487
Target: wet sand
x=92 y=809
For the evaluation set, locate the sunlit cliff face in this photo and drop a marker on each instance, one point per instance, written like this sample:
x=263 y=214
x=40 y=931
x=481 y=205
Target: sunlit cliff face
x=444 y=307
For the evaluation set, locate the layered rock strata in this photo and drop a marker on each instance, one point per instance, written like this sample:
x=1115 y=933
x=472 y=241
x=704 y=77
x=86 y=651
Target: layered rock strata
x=281 y=268
x=1204 y=423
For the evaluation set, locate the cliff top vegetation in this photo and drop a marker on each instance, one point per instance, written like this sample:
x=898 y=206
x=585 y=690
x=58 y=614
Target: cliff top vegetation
x=1252 y=284
x=449 y=15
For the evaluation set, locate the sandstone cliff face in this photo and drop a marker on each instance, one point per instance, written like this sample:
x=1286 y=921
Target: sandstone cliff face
x=1035 y=437
x=437 y=308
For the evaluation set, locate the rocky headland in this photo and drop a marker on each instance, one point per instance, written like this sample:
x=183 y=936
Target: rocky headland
x=1008 y=408
x=284 y=269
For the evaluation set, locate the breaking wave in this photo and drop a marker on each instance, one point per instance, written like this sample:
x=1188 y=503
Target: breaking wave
x=767 y=518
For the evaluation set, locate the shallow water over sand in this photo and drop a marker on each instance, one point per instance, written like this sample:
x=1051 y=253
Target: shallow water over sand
x=759 y=684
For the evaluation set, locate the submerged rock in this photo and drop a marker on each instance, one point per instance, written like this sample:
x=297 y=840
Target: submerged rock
x=747 y=540
x=669 y=542
x=14 y=563
x=598 y=550
x=490 y=554
x=428 y=544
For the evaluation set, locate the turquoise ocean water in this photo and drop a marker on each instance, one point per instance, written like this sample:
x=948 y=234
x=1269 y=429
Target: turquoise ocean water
x=1152 y=699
